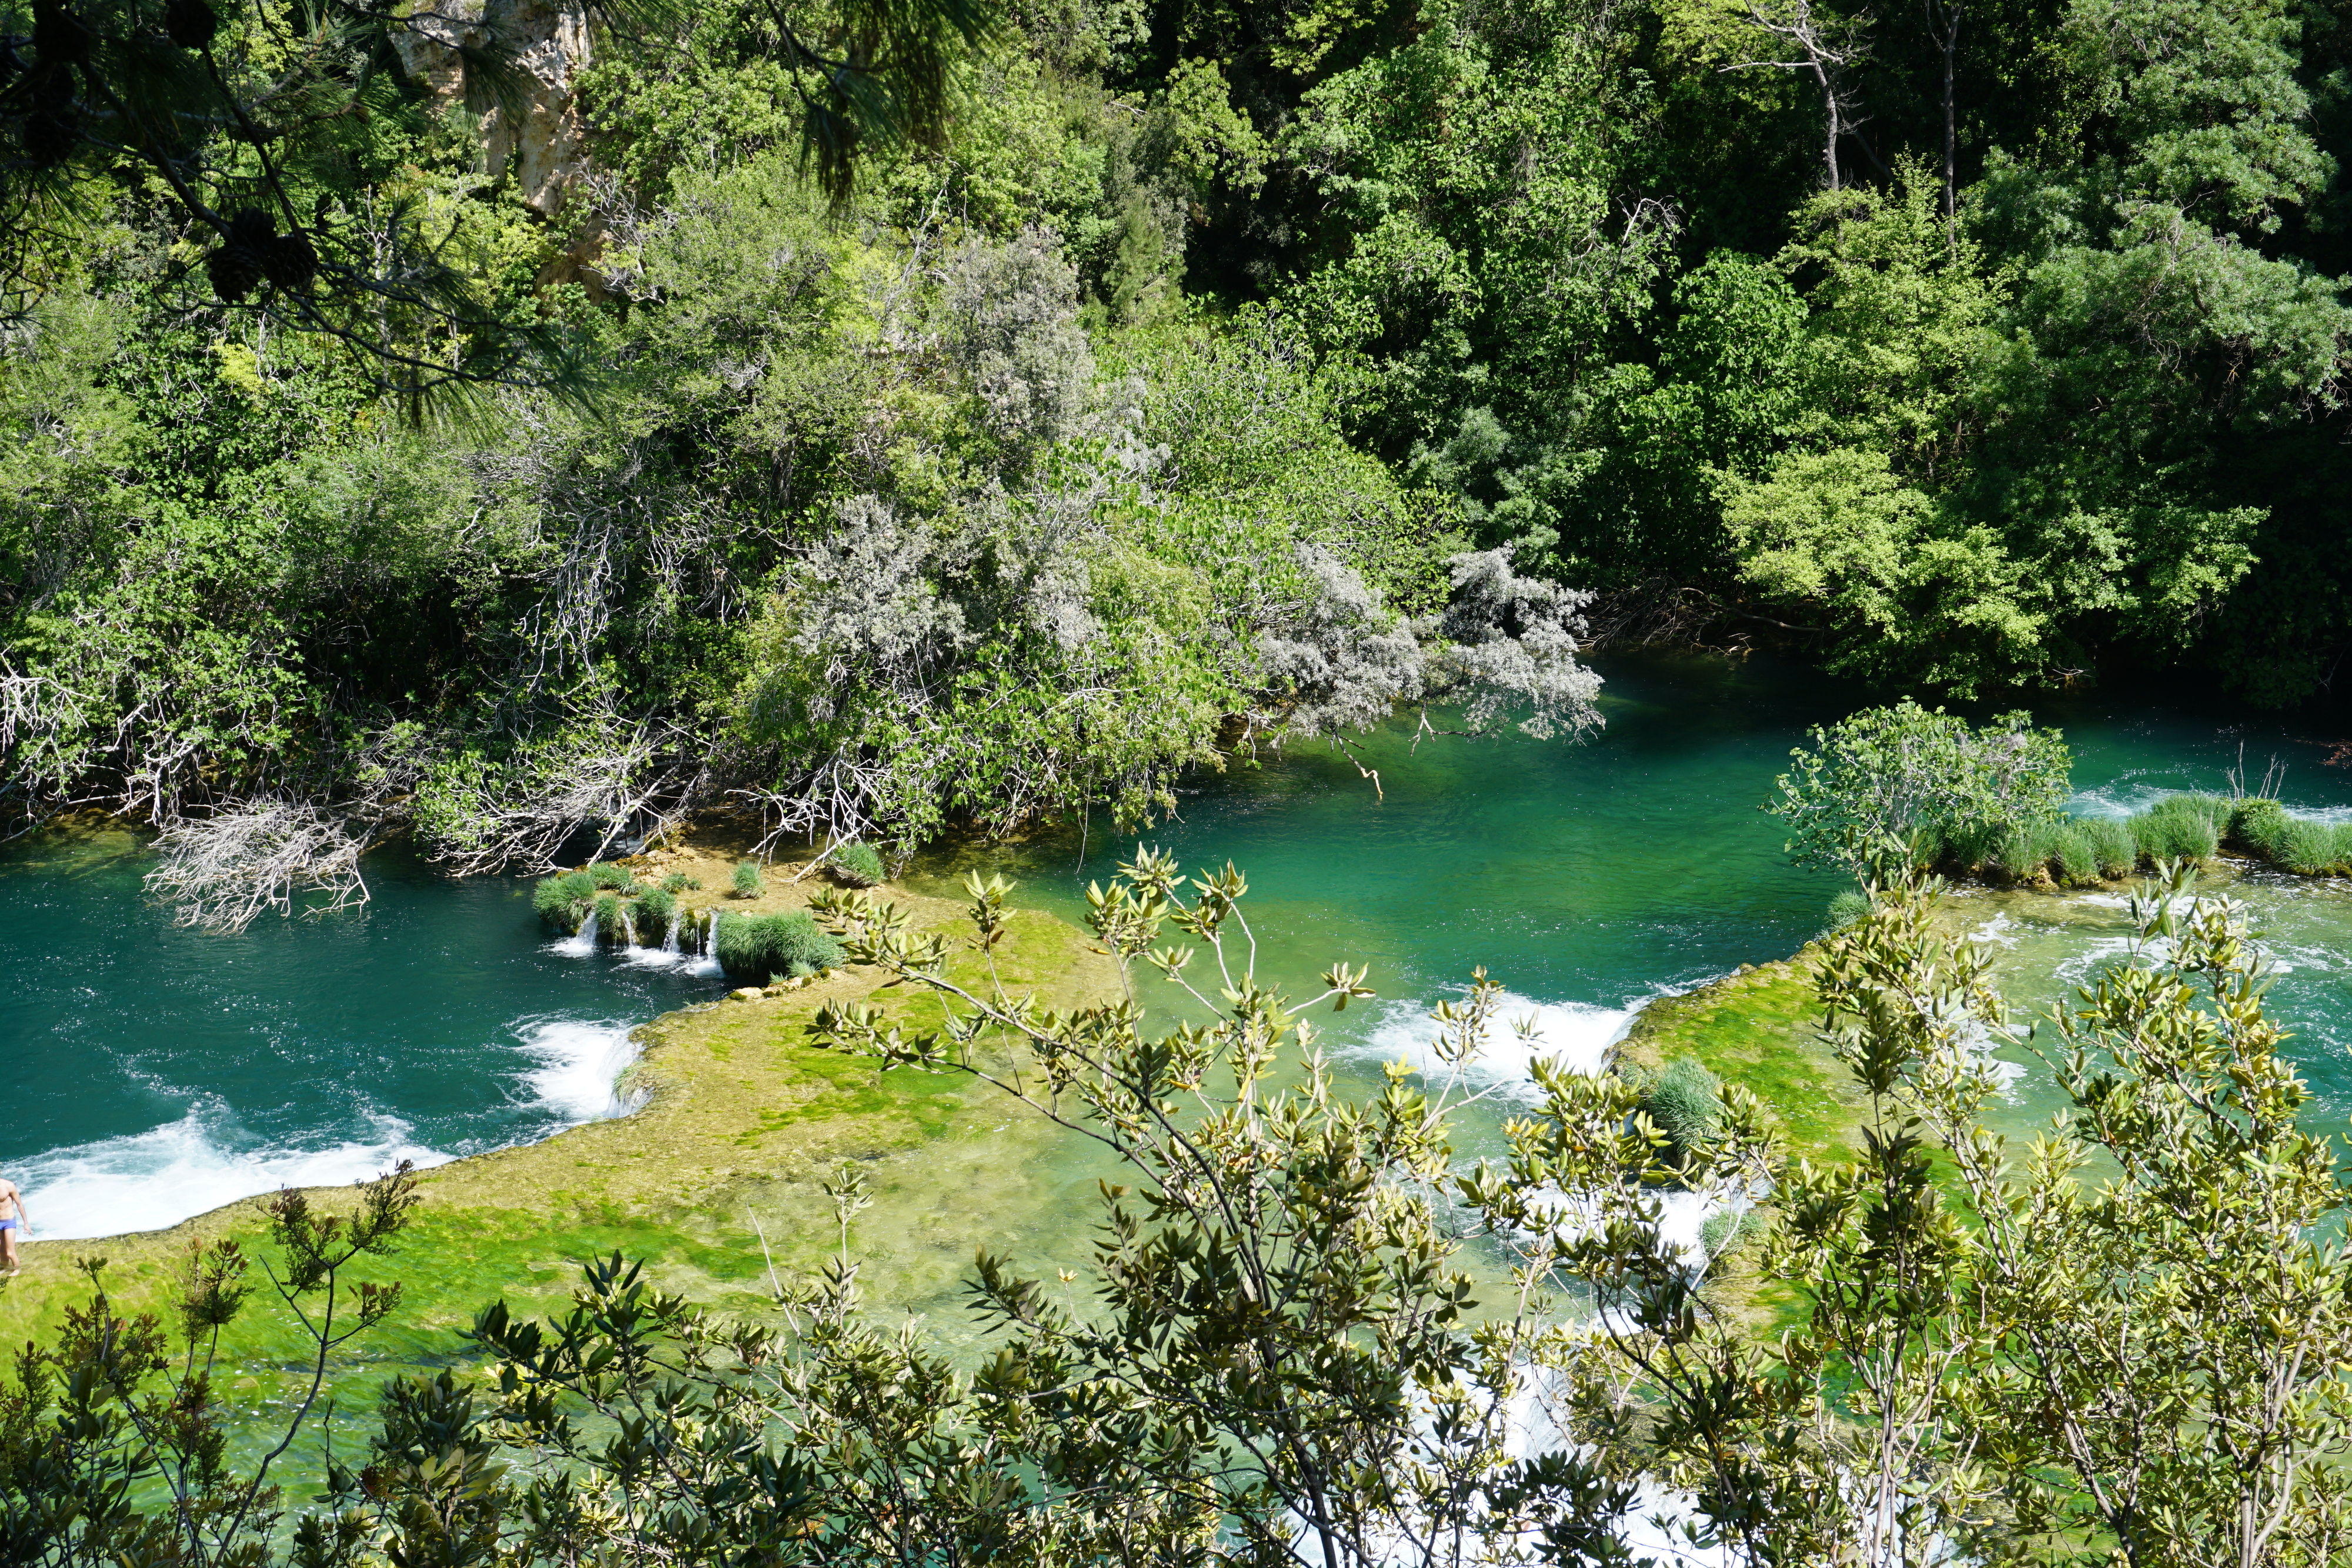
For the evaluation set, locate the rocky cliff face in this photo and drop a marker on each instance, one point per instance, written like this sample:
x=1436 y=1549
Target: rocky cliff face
x=539 y=138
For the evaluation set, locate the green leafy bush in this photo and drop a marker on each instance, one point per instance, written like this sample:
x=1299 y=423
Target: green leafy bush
x=606 y=874
x=753 y=948
x=562 y=901
x=654 y=911
x=1686 y=1100
x=858 y=866
x=746 y=880
x=1902 y=774
x=2182 y=828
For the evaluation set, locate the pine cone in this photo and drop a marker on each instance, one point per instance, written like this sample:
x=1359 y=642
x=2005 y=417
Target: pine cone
x=190 y=24
x=242 y=259
x=59 y=36
x=287 y=261
x=234 y=270
x=50 y=138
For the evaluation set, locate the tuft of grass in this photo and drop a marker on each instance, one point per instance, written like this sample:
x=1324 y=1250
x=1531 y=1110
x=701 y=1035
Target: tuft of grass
x=2182 y=828
x=2112 y=845
x=1848 y=907
x=1686 y=1100
x=606 y=874
x=564 y=901
x=2260 y=826
x=753 y=948
x=1725 y=1229
x=2308 y=848
x=1968 y=851
x=2073 y=862
x=654 y=911
x=858 y=866
x=2023 y=853
x=675 y=882
x=746 y=880
x=2263 y=829
x=608 y=917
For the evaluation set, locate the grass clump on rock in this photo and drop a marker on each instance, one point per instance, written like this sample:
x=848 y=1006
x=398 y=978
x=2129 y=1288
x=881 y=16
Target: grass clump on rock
x=858 y=866
x=608 y=917
x=604 y=873
x=1685 y=1101
x=654 y=912
x=754 y=949
x=2111 y=841
x=564 y=901
x=748 y=883
x=2182 y=828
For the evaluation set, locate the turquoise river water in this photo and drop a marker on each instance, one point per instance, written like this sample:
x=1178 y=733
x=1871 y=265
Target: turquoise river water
x=160 y=1072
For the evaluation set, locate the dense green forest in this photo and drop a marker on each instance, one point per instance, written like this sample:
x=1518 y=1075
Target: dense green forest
x=486 y=425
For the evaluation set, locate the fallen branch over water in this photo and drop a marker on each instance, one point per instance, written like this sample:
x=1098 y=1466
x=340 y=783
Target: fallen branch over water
x=221 y=872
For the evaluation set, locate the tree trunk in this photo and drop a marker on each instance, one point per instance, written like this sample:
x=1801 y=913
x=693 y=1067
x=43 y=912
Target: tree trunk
x=1951 y=41
x=1830 y=140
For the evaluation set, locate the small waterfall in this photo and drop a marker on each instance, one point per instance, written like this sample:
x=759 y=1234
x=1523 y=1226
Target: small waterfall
x=670 y=937
x=581 y=943
x=706 y=926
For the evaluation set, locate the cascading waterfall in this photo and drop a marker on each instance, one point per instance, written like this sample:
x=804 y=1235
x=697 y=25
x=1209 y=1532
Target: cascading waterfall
x=685 y=942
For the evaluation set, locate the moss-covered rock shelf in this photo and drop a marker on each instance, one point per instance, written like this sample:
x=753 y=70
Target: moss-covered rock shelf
x=743 y=1118
x=1757 y=1029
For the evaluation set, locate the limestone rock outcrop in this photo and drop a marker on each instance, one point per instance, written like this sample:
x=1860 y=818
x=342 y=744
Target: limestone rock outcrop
x=541 y=138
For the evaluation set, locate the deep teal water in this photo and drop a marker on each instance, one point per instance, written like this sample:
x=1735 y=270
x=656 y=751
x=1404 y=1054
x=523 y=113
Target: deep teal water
x=161 y=1071
x=158 y=1073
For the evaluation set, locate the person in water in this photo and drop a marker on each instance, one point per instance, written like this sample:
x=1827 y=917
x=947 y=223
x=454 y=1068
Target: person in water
x=12 y=1220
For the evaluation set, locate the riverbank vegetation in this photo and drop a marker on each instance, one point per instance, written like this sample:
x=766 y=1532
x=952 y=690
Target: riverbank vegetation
x=499 y=435
x=1931 y=791
x=2030 y=1361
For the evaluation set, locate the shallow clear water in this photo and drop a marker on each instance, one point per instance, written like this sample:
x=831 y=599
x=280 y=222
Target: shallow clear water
x=160 y=1072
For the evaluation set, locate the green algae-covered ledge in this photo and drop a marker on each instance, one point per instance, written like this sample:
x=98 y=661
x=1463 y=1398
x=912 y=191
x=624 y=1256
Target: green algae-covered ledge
x=719 y=1170
x=1759 y=1028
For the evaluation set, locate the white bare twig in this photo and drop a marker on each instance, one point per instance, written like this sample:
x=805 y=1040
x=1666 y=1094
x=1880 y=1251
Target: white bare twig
x=222 y=870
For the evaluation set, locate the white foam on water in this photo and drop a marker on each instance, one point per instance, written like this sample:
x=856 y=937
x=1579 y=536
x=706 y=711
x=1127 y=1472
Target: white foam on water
x=1580 y=1033
x=2001 y=931
x=581 y=944
x=146 y=1181
x=580 y=1066
x=2117 y=800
